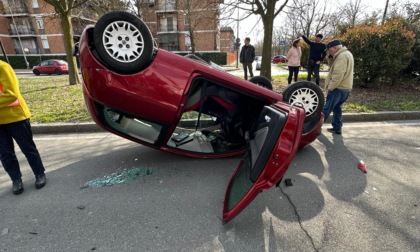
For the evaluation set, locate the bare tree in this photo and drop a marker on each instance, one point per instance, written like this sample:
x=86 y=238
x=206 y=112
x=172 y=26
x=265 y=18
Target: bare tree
x=351 y=12
x=64 y=8
x=313 y=15
x=196 y=19
x=268 y=10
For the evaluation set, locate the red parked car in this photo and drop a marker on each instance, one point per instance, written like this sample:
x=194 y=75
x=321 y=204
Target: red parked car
x=52 y=66
x=279 y=59
x=186 y=106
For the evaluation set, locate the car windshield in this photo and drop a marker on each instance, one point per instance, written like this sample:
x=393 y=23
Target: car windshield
x=61 y=62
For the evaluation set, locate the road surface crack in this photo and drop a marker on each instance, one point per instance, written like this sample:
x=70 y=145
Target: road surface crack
x=299 y=219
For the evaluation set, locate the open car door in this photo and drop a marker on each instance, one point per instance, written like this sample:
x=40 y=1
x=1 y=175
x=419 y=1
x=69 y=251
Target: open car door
x=273 y=142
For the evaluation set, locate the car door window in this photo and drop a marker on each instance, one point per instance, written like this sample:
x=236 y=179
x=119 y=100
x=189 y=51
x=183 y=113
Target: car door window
x=141 y=129
x=263 y=138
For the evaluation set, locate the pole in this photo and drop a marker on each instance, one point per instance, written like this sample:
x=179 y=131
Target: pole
x=237 y=38
x=20 y=42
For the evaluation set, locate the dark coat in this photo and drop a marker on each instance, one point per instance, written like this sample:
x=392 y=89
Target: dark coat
x=247 y=54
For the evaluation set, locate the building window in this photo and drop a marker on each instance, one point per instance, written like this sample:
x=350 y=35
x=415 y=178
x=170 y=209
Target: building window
x=168 y=24
x=35 y=4
x=167 y=5
x=39 y=23
x=44 y=41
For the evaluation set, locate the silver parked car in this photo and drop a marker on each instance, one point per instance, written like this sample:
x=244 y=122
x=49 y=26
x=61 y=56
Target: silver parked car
x=258 y=62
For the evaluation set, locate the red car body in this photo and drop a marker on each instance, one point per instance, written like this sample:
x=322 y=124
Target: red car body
x=149 y=106
x=52 y=66
x=279 y=59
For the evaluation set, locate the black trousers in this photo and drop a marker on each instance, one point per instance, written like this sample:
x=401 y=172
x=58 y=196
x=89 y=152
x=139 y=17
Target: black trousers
x=293 y=72
x=247 y=66
x=313 y=68
x=21 y=132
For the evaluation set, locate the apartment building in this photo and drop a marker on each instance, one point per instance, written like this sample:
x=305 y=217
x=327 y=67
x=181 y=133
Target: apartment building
x=30 y=26
x=184 y=25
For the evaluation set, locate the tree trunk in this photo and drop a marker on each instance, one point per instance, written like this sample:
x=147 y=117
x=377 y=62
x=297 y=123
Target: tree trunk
x=74 y=77
x=268 y=21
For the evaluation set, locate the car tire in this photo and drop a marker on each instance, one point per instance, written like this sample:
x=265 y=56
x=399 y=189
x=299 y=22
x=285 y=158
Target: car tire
x=58 y=72
x=262 y=81
x=36 y=72
x=123 y=42
x=310 y=96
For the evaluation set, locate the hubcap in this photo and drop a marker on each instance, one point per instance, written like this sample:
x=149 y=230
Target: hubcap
x=123 y=41
x=307 y=97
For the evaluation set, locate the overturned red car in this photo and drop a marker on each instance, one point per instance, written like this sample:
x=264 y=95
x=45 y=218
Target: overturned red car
x=185 y=106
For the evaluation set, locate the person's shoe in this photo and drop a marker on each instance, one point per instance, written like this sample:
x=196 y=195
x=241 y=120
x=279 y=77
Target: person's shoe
x=40 y=181
x=332 y=130
x=17 y=187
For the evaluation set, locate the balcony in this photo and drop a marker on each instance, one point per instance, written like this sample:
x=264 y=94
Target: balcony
x=166 y=6
x=167 y=29
x=30 y=51
x=22 y=31
x=20 y=10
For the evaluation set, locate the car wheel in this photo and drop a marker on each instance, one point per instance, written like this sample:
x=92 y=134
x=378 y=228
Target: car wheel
x=57 y=72
x=36 y=72
x=123 y=42
x=310 y=96
x=262 y=81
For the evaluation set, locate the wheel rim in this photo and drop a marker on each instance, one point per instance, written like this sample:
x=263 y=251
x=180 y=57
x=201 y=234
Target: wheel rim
x=307 y=97
x=123 y=41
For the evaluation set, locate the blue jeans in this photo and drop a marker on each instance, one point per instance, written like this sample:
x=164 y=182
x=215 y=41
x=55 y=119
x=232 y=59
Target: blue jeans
x=334 y=103
x=21 y=132
x=313 y=67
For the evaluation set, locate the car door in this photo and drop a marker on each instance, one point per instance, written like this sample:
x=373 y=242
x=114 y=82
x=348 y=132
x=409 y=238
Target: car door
x=273 y=142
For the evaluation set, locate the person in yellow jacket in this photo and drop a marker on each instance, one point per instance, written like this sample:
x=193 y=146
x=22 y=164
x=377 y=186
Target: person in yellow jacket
x=15 y=125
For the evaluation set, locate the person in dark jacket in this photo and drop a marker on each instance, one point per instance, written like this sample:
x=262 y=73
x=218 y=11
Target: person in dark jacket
x=316 y=56
x=246 y=57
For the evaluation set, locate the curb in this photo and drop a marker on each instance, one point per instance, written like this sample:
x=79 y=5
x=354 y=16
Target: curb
x=91 y=127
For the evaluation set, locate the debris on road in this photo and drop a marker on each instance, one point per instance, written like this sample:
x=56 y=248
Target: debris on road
x=362 y=166
x=119 y=177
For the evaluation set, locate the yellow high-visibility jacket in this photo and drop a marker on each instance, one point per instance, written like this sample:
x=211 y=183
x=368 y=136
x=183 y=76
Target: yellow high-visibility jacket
x=13 y=107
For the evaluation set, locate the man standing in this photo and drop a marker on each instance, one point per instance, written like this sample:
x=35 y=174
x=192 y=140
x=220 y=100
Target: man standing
x=15 y=125
x=246 y=57
x=316 y=56
x=338 y=83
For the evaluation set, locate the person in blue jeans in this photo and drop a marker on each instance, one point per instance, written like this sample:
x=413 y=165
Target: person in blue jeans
x=15 y=127
x=338 y=83
x=316 y=56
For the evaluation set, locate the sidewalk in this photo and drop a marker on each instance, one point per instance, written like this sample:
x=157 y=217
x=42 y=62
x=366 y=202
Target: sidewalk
x=86 y=127
x=90 y=127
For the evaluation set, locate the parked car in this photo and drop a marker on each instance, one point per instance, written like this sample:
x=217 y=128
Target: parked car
x=52 y=66
x=279 y=59
x=185 y=106
x=258 y=62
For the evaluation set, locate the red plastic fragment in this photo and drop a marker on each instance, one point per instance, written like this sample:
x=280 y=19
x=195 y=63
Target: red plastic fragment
x=362 y=166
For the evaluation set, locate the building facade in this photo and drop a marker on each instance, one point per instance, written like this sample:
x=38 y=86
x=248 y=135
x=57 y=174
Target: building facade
x=30 y=27
x=183 y=25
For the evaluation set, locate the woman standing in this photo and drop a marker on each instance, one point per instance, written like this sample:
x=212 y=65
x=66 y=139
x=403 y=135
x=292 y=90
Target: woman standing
x=293 y=60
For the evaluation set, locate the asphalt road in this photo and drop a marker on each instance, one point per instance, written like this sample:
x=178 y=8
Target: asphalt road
x=177 y=205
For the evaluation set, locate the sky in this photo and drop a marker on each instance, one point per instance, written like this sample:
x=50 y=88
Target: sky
x=248 y=27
